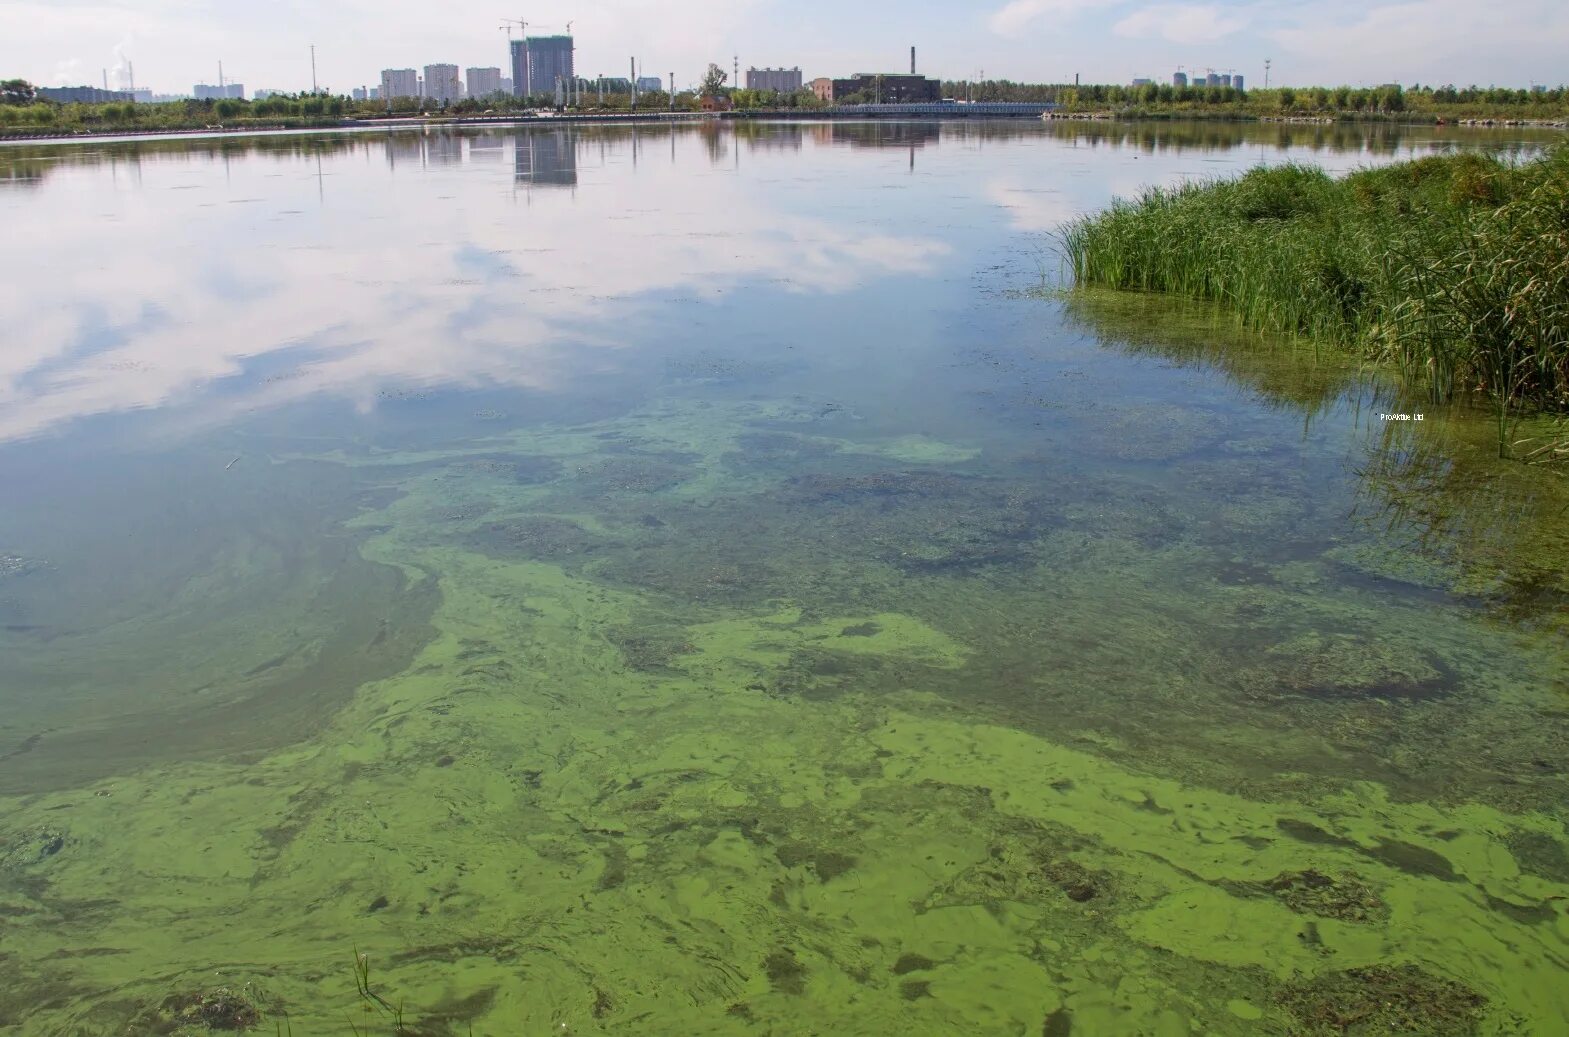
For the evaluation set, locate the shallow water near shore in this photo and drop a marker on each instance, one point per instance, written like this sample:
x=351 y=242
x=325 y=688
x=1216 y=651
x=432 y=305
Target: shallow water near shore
x=634 y=580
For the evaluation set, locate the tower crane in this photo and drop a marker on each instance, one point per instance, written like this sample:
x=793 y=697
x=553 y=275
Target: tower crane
x=519 y=89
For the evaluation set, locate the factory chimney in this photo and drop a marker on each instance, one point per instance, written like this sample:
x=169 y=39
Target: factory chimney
x=912 y=61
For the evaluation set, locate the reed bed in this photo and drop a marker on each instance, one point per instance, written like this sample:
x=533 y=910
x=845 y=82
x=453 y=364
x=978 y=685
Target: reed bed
x=1454 y=268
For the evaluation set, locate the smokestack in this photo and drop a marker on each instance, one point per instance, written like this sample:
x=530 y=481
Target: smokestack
x=912 y=61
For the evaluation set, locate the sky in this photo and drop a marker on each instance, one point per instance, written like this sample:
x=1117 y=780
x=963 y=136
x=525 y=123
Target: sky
x=173 y=44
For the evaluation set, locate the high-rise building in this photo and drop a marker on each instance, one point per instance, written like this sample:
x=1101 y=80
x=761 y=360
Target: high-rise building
x=399 y=82
x=506 y=84
x=1179 y=79
x=359 y=93
x=538 y=62
x=1236 y=82
x=482 y=82
x=442 y=83
x=1225 y=79
x=1213 y=79
x=375 y=93
x=228 y=91
x=784 y=80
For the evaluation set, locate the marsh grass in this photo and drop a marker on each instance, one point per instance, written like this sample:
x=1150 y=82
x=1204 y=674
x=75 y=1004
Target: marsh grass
x=1454 y=268
x=373 y=1001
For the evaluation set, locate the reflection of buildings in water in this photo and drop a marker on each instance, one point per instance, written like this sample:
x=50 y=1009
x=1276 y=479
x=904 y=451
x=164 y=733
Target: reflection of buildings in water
x=486 y=147
x=404 y=147
x=445 y=149
x=546 y=157
x=880 y=134
x=770 y=136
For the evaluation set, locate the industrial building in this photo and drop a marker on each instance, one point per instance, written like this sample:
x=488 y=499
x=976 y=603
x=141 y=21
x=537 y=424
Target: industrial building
x=399 y=82
x=442 y=83
x=646 y=84
x=81 y=94
x=482 y=82
x=539 y=63
x=883 y=88
x=784 y=80
x=221 y=92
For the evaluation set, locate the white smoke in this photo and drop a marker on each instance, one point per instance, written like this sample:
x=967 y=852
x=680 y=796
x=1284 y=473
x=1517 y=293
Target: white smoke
x=120 y=71
x=68 y=72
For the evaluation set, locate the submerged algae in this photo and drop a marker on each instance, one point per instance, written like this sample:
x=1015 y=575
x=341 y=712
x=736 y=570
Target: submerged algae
x=834 y=790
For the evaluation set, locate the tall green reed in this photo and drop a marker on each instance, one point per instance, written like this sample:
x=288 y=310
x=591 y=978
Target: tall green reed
x=1454 y=269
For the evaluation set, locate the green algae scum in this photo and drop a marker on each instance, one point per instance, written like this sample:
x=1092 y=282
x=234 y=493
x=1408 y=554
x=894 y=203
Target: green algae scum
x=650 y=581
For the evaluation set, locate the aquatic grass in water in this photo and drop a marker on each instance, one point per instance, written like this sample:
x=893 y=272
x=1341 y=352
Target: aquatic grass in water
x=1453 y=268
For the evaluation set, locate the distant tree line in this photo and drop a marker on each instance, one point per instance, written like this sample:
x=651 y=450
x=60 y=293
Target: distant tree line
x=23 y=111
x=1390 y=98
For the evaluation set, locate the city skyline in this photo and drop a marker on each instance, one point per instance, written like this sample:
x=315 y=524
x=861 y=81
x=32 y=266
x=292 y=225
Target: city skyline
x=175 y=43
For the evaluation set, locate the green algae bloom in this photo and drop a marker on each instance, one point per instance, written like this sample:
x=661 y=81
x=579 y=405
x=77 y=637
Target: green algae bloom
x=1029 y=666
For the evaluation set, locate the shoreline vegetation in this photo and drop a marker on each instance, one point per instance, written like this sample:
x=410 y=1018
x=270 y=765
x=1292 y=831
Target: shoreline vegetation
x=1452 y=269
x=24 y=115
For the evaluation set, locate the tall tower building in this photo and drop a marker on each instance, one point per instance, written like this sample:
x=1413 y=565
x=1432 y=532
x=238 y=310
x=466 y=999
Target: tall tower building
x=539 y=62
x=399 y=82
x=442 y=83
x=482 y=82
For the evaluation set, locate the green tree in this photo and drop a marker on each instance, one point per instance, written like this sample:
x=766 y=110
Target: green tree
x=17 y=91
x=713 y=81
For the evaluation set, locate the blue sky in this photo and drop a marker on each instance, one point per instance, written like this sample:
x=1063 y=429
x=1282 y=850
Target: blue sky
x=175 y=43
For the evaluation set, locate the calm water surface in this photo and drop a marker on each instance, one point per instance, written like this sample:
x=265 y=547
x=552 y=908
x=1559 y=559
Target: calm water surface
x=623 y=580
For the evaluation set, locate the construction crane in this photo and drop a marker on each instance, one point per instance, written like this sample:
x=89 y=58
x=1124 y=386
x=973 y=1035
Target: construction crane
x=519 y=89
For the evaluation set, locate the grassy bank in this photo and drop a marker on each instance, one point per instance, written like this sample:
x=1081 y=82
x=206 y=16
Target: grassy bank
x=1454 y=268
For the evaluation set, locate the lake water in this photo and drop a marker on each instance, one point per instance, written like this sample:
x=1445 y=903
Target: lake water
x=709 y=581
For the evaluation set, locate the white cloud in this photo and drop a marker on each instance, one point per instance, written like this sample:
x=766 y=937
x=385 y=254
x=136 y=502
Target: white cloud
x=1181 y=23
x=1018 y=14
x=361 y=310
x=1430 y=41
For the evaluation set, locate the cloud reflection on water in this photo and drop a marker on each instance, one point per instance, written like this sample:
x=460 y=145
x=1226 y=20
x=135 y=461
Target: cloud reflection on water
x=397 y=261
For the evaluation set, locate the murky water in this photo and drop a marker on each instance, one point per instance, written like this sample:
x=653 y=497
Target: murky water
x=634 y=581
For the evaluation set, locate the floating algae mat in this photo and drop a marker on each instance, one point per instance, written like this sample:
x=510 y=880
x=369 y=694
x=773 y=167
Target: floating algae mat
x=1008 y=668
